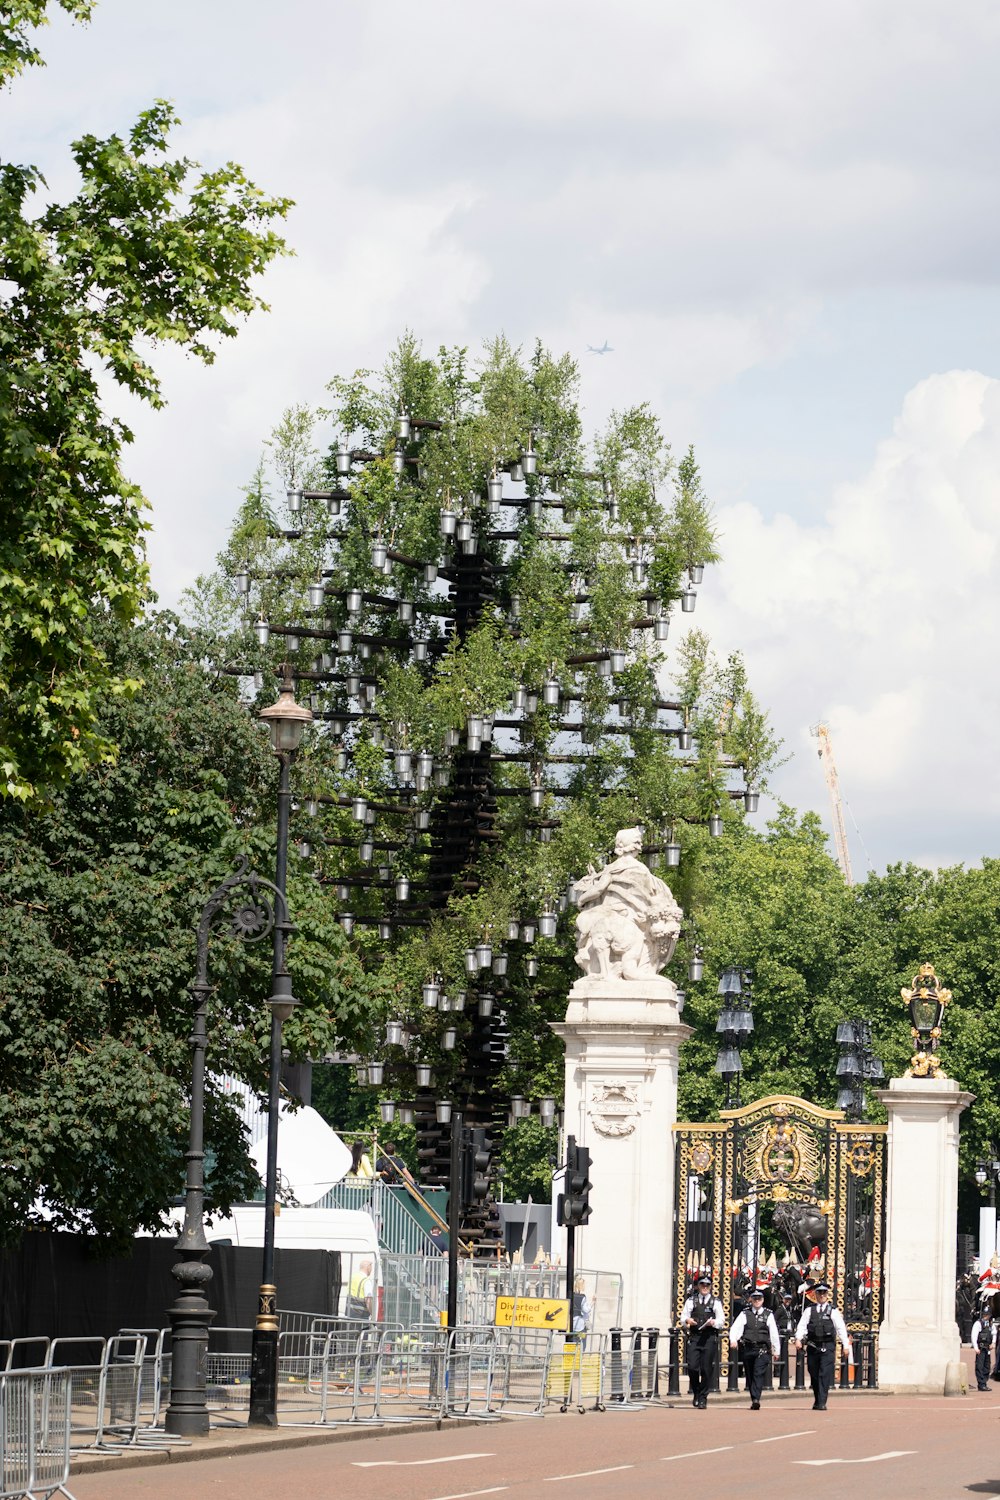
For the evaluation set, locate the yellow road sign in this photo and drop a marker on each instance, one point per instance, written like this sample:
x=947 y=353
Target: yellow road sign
x=532 y=1312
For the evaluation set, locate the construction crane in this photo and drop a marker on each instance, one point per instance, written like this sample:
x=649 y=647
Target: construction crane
x=821 y=732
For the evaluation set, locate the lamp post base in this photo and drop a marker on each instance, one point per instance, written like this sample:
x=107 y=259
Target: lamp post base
x=190 y=1319
x=264 y=1363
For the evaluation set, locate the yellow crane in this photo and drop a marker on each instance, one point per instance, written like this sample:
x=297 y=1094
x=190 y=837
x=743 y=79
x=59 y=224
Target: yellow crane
x=821 y=732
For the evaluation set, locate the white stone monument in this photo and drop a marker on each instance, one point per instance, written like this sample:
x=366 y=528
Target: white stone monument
x=623 y=1034
x=919 y=1337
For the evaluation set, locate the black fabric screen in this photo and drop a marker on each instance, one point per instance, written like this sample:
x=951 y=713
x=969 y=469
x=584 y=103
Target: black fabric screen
x=53 y=1285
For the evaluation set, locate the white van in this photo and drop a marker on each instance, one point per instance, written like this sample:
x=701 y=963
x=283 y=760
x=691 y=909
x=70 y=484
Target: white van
x=349 y=1230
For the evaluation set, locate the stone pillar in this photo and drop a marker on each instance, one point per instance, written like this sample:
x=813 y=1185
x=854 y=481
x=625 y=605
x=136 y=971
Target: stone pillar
x=919 y=1337
x=622 y=1041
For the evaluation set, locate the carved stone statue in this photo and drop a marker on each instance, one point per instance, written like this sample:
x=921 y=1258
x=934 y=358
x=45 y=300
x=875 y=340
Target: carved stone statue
x=629 y=922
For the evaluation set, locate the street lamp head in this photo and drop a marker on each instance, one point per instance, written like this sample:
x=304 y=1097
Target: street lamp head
x=282 y=1001
x=286 y=720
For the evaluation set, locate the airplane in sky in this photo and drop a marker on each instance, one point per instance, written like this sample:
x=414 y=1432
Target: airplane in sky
x=604 y=349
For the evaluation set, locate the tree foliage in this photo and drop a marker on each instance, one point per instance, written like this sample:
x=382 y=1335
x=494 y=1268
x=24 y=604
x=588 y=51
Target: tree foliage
x=149 y=251
x=821 y=953
x=611 y=528
x=100 y=900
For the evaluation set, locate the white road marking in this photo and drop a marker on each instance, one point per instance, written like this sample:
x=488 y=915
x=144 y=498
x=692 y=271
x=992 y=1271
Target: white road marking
x=782 y=1436
x=417 y=1463
x=700 y=1453
x=466 y=1494
x=876 y=1458
x=586 y=1473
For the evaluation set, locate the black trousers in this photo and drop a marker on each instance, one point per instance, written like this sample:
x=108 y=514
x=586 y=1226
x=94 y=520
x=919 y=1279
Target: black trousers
x=983 y=1362
x=755 y=1359
x=701 y=1361
x=820 y=1359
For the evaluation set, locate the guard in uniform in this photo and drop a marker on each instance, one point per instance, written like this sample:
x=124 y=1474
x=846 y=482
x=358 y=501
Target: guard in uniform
x=984 y=1341
x=703 y=1316
x=820 y=1327
x=754 y=1330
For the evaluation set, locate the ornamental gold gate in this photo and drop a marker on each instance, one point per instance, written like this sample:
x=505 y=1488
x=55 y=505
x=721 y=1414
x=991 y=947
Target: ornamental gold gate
x=781 y=1187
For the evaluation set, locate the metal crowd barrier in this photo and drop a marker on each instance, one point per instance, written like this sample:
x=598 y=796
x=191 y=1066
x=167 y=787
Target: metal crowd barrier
x=34 y=1433
x=576 y=1373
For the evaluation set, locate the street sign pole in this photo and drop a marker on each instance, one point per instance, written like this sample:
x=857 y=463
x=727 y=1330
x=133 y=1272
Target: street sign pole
x=570 y=1232
x=454 y=1214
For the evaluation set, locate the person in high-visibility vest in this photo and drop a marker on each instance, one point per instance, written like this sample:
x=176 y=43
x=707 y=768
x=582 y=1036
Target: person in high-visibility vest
x=362 y=1290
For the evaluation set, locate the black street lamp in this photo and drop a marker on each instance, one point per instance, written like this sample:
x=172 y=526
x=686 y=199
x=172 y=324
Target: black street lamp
x=988 y=1171
x=734 y=1024
x=286 y=720
x=856 y=1066
x=260 y=911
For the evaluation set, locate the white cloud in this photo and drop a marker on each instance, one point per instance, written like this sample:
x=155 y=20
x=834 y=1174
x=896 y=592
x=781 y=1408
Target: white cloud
x=704 y=186
x=884 y=619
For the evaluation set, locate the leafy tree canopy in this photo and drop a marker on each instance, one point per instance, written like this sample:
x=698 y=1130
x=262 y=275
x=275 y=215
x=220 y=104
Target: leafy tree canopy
x=100 y=900
x=607 y=532
x=822 y=953
x=148 y=251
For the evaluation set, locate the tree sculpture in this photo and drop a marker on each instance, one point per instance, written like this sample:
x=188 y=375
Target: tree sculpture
x=478 y=603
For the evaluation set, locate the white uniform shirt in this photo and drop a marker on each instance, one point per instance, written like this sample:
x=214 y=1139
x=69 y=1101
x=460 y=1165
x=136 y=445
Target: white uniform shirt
x=736 y=1332
x=718 y=1311
x=974 y=1339
x=839 y=1326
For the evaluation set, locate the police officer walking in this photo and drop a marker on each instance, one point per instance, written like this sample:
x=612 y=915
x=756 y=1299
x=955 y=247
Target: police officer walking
x=820 y=1326
x=753 y=1331
x=984 y=1341
x=703 y=1316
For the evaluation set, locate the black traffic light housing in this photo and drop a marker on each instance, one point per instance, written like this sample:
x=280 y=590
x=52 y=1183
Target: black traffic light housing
x=476 y=1150
x=573 y=1205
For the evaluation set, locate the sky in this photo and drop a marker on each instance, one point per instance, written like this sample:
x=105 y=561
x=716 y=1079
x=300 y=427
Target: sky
x=783 y=219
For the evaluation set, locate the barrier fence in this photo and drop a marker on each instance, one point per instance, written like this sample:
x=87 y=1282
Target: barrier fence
x=34 y=1433
x=111 y=1394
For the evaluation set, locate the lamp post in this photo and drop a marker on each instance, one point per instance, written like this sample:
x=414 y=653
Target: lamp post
x=261 y=910
x=987 y=1173
x=286 y=721
x=856 y=1066
x=735 y=1023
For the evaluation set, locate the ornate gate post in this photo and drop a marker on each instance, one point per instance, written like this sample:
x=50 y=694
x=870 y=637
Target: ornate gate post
x=623 y=1035
x=919 y=1337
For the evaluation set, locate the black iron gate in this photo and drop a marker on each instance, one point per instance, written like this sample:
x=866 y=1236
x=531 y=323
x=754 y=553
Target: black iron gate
x=782 y=1183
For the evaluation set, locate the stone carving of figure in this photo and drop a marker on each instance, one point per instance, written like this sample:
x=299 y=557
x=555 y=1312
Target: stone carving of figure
x=629 y=922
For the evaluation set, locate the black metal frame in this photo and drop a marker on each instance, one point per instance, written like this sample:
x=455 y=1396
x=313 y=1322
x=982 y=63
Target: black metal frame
x=782 y=1150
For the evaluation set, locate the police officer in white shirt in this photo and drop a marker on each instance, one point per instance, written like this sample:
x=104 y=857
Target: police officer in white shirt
x=984 y=1341
x=753 y=1330
x=819 y=1328
x=703 y=1316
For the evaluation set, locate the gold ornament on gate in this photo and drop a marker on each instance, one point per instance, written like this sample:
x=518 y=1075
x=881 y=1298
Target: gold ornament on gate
x=926 y=998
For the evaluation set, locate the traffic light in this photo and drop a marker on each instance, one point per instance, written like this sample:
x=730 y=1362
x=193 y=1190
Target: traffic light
x=476 y=1149
x=573 y=1205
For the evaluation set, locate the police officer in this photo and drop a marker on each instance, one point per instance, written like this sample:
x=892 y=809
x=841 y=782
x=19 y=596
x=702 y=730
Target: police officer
x=984 y=1341
x=703 y=1316
x=820 y=1326
x=753 y=1330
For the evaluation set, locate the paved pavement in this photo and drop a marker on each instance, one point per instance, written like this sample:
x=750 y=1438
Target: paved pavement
x=864 y=1445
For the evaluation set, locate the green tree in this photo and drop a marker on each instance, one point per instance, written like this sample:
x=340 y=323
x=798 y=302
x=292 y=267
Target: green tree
x=147 y=252
x=100 y=899
x=577 y=565
x=774 y=903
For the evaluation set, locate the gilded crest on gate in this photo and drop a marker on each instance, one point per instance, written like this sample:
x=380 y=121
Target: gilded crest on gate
x=702 y=1155
x=782 y=1152
x=861 y=1159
